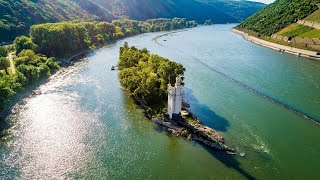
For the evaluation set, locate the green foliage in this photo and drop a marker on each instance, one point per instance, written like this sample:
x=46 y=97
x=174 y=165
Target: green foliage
x=163 y=24
x=279 y=15
x=17 y=16
x=222 y=11
x=208 y=22
x=315 y=17
x=315 y=33
x=7 y=86
x=77 y=36
x=35 y=66
x=4 y=63
x=30 y=67
x=23 y=42
x=147 y=75
x=297 y=31
x=3 y=51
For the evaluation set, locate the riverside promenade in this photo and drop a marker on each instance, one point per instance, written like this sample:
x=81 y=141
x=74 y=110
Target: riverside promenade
x=278 y=47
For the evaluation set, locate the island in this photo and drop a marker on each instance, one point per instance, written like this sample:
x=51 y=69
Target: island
x=156 y=84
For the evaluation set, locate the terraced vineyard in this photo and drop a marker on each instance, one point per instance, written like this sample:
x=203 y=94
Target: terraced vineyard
x=315 y=17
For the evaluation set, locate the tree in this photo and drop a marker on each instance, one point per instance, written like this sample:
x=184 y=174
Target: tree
x=208 y=22
x=23 y=42
x=4 y=63
x=3 y=51
x=147 y=75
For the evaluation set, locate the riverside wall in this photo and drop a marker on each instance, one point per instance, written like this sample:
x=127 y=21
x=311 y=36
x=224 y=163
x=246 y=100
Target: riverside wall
x=313 y=43
x=278 y=47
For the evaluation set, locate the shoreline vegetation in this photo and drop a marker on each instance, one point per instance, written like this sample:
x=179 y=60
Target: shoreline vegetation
x=34 y=59
x=278 y=47
x=146 y=77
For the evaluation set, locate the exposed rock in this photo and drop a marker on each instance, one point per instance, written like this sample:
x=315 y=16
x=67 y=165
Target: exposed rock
x=196 y=131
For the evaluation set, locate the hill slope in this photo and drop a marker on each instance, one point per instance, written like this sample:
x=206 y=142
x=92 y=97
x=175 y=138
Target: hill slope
x=279 y=15
x=240 y=9
x=18 y=15
x=221 y=11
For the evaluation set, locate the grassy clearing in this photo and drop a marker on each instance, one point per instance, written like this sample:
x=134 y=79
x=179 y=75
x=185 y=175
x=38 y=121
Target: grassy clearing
x=288 y=29
x=300 y=29
x=315 y=17
x=315 y=33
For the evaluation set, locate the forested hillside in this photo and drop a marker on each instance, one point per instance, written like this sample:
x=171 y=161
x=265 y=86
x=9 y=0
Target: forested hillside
x=222 y=11
x=239 y=10
x=17 y=16
x=82 y=35
x=279 y=15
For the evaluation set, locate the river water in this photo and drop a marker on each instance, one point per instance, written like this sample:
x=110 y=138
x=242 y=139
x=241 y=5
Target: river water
x=80 y=124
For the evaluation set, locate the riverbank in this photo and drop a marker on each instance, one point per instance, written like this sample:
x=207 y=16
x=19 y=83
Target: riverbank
x=29 y=89
x=66 y=60
x=278 y=47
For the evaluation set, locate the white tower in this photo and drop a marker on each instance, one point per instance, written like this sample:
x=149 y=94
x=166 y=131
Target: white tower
x=175 y=97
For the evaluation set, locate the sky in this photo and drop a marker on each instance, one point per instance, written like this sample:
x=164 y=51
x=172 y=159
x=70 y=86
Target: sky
x=264 y=1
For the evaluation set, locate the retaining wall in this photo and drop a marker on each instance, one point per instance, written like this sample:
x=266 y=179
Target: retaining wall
x=309 y=23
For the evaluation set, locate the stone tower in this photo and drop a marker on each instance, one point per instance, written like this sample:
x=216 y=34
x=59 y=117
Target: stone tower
x=175 y=94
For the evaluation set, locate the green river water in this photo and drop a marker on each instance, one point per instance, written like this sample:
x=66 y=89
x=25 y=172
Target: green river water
x=81 y=125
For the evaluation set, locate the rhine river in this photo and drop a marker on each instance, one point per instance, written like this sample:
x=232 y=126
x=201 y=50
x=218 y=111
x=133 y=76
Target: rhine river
x=80 y=124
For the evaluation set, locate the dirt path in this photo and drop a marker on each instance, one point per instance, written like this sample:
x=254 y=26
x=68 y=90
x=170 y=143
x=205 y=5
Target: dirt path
x=10 y=57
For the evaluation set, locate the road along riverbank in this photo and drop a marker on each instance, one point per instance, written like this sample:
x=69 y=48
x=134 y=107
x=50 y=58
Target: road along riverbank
x=278 y=47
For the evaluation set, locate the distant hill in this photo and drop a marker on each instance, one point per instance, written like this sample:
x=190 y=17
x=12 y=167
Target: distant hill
x=239 y=9
x=279 y=15
x=221 y=11
x=18 y=15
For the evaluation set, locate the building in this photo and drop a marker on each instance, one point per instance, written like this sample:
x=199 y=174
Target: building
x=175 y=95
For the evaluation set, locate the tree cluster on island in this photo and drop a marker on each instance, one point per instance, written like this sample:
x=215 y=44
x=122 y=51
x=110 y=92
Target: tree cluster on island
x=34 y=54
x=146 y=76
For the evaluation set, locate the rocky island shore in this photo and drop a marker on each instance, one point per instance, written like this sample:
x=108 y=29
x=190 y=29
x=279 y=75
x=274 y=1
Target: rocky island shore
x=193 y=129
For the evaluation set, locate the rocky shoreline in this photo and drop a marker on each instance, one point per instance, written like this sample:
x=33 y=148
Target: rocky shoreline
x=190 y=128
x=195 y=130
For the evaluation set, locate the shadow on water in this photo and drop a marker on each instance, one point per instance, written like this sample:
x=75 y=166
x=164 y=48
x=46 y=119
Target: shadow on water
x=218 y=123
x=211 y=119
x=230 y=161
x=205 y=113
